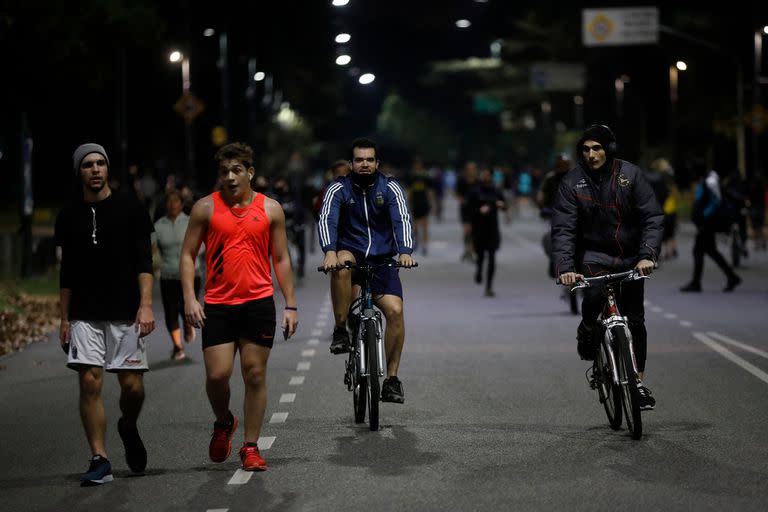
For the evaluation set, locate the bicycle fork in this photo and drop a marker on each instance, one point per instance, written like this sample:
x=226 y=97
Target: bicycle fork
x=371 y=319
x=610 y=323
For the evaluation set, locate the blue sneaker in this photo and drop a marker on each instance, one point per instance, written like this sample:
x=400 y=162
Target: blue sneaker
x=99 y=472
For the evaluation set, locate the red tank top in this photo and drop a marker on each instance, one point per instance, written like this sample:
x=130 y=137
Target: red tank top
x=237 y=253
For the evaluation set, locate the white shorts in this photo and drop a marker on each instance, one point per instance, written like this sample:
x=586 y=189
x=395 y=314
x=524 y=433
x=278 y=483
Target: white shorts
x=91 y=342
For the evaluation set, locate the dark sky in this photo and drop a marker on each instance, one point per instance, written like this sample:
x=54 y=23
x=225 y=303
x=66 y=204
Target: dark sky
x=98 y=70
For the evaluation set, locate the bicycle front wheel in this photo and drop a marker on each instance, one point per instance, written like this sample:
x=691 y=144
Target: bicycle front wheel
x=609 y=393
x=630 y=397
x=359 y=388
x=374 y=390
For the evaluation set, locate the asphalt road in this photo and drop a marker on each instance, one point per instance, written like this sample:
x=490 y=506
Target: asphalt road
x=498 y=414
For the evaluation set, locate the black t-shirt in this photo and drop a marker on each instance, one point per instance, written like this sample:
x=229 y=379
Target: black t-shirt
x=104 y=247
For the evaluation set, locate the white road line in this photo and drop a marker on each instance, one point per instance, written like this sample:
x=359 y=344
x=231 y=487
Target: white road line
x=656 y=309
x=296 y=381
x=265 y=442
x=240 y=477
x=746 y=365
x=317 y=332
x=325 y=310
x=743 y=346
x=686 y=323
x=287 y=398
x=313 y=341
x=278 y=417
x=217 y=510
x=310 y=352
x=670 y=316
x=321 y=323
x=303 y=366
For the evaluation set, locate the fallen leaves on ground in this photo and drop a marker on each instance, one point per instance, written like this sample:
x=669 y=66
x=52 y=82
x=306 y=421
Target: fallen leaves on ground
x=28 y=318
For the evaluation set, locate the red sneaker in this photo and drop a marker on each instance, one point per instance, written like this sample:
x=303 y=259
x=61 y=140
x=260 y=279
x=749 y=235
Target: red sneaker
x=251 y=458
x=221 y=440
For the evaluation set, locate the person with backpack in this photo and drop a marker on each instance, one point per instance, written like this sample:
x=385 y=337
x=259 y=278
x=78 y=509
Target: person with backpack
x=706 y=214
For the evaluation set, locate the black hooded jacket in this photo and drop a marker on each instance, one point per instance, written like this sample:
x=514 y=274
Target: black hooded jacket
x=605 y=220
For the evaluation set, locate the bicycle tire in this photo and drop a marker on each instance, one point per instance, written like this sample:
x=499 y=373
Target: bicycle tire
x=359 y=389
x=630 y=396
x=373 y=388
x=609 y=393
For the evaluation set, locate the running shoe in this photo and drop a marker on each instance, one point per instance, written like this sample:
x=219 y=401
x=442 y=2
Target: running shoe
x=340 y=342
x=135 y=453
x=251 y=458
x=99 y=472
x=221 y=439
x=392 y=390
x=646 y=402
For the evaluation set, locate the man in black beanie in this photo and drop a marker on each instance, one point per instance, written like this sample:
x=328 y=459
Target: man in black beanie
x=606 y=219
x=106 y=304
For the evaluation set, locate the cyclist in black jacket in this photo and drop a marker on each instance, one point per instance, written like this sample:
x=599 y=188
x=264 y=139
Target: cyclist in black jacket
x=606 y=219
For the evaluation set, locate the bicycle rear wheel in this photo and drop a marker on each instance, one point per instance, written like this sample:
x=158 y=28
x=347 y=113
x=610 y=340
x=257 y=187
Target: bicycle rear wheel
x=373 y=388
x=609 y=393
x=359 y=388
x=630 y=397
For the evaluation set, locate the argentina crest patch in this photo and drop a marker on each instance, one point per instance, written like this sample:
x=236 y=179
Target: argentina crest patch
x=379 y=199
x=623 y=181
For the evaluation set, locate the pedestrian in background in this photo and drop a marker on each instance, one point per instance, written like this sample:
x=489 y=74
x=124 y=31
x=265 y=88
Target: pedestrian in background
x=168 y=238
x=484 y=202
x=706 y=215
x=106 y=305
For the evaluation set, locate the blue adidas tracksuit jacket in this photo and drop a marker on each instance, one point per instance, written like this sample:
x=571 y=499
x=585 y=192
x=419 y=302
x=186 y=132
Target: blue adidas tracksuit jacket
x=373 y=221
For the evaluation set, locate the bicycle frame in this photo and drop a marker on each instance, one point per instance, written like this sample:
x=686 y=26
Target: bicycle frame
x=368 y=312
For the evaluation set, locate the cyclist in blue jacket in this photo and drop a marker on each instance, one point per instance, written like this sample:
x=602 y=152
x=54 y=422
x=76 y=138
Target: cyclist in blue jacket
x=365 y=217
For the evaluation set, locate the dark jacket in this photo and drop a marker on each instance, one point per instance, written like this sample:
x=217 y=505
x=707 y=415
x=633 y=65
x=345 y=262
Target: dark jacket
x=373 y=220
x=605 y=220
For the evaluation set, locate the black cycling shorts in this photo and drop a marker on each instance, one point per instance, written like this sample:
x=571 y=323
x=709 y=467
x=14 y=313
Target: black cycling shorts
x=253 y=321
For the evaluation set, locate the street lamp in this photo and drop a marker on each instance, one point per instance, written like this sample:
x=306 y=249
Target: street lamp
x=756 y=110
x=184 y=102
x=674 y=70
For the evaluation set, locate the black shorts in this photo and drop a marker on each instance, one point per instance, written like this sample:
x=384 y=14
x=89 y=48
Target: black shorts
x=254 y=321
x=386 y=280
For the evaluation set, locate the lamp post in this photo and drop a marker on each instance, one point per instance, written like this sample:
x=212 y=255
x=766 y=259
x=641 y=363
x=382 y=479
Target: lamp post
x=757 y=112
x=177 y=56
x=674 y=70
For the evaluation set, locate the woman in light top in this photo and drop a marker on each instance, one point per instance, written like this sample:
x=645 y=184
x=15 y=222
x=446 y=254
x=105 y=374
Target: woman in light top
x=168 y=237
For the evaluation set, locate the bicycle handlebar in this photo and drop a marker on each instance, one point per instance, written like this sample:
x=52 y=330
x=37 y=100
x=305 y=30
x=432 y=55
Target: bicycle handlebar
x=629 y=275
x=363 y=266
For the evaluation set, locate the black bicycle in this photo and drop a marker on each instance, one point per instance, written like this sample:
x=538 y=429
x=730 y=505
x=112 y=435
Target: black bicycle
x=614 y=371
x=367 y=360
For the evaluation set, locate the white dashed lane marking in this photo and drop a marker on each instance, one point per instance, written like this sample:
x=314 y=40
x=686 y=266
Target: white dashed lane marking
x=317 y=332
x=287 y=398
x=278 y=417
x=242 y=477
x=310 y=352
x=313 y=341
x=296 y=381
x=670 y=316
x=656 y=309
x=686 y=323
x=303 y=366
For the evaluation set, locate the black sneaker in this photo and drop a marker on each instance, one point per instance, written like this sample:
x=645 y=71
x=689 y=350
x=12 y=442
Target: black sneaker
x=585 y=342
x=99 y=472
x=392 y=390
x=733 y=282
x=691 y=287
x=135 y=453
x=340 y=341
x=647 y=402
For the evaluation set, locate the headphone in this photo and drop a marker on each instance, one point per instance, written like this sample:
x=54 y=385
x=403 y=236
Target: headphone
x=612 y=148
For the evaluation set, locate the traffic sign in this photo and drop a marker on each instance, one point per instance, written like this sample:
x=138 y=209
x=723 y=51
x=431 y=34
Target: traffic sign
x=189 y=106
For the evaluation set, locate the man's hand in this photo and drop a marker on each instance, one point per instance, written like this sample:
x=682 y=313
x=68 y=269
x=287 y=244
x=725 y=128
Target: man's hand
x=193 y=313
x=331 y=261
x=406 y=260
x=145 y=321
x=645 y=267
x=570 y=278
x=290 y=322
x=64 y=335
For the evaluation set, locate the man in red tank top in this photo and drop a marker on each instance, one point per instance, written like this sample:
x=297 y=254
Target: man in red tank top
x=241 y=228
